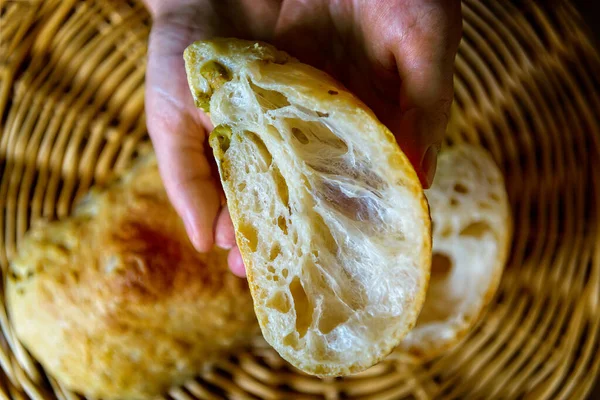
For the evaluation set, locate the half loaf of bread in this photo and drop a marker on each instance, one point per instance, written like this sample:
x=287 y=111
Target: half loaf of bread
x=472 y=230
x=330 y=217
x=114 y=301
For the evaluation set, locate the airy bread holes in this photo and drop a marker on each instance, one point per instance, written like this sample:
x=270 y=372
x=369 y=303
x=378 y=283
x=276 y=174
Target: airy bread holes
x=332 y=140
x=323 y=232
x=337 y=286
x=332 y=317
x=476 y=229
x=304 y=311
x=280 y=302
x=269 y=99
x=316 y=132
x=484 y=205
x=282 y=188
x=282 y=224
x=300 y=136
x=335 y=307
x=215 y=73
x=275 y=251
x=291 y=340
x=441 y=265
x=261 y=150
x=223 y=135
x=273 y=132
x=438 y=304
x=460 y=188
x=249 y=233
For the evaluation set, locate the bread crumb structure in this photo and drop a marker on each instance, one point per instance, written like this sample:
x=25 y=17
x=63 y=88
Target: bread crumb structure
x=330 y=217
x=472 y=231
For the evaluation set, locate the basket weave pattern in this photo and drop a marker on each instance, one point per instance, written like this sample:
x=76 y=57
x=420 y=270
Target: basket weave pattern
x=527 y=88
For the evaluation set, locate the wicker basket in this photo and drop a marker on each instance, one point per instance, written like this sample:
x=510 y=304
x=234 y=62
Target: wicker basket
x=527 y=88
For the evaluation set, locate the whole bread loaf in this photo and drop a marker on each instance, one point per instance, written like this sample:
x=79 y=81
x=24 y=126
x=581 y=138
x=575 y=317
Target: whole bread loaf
x=114 y=301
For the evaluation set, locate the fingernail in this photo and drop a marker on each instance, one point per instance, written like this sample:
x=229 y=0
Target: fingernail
x=429 y=165
x=236 y=264
x=223 y=243
x=224 y=231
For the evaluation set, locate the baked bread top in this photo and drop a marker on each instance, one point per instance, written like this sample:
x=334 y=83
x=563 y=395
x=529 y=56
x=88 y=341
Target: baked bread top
x=115 y=302
x=330 y=217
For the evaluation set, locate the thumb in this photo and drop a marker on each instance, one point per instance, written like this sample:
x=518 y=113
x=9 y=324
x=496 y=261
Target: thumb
x=179 y=140
x=425 y=61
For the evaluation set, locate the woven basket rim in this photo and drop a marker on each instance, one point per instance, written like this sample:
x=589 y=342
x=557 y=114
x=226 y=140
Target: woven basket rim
x=526 y=88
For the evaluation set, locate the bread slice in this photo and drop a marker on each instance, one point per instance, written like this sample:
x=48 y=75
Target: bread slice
x=330 y=217
x=472 y=230
x=114 y=301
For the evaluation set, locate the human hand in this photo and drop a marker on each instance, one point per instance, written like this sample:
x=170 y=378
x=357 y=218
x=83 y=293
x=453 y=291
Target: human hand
x=177 y=128
x=396 y=55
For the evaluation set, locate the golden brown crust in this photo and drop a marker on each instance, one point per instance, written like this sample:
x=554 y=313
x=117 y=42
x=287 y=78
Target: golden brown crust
x=115 y=302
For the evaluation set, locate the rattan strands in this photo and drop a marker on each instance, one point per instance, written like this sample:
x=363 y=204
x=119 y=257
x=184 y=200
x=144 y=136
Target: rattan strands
x=527 y=88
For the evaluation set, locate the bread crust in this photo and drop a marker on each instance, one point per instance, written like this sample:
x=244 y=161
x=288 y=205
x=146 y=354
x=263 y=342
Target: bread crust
x=221 y=74
x=114 y=301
